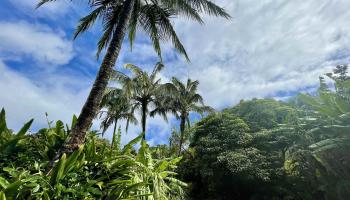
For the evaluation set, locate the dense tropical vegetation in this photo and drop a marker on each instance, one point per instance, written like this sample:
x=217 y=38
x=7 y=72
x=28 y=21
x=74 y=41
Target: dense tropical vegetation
x=258 y=149
x=267 y=149
x=95 y=171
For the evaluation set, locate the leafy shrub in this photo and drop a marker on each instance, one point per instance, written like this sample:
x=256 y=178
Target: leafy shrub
x=94 y=171
x=291 y=159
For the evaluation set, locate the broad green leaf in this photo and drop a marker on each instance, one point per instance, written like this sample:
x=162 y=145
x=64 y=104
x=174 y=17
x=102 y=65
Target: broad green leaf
x=25 y=128
x=58 y=170
x=12 y=189
x=127 y=148
x=2 y=195
x=3 y=182
x=74 y=121
x=71 y=162
x=10 y=145
x=162 y=166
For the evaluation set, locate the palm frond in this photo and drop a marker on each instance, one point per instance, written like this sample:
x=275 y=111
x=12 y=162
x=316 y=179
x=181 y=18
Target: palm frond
x=183 y=8
x=168 y=32
x=86 y=22
x=197 y=98
x=133 y=24
x=157 y=68
x=42 y=2
x=119 y=76
x=148 y=21
x=178 y=83
x=110 y=22
x=208 y=7
x=202 y=109
x=135 y=69
x=193 y=86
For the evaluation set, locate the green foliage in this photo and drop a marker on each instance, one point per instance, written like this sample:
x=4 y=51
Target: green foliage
x=224 y=156
x=264 y=113
x=331 y=104
x=94 y=171
x=330 y=139
x=259 y=149
x=265 y=149
x=8 y=140
x=230 y=162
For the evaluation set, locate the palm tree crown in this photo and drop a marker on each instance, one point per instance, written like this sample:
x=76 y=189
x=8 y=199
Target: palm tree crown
x=151 y=16
x=143 y=90
x=115 y=106
x=184 y=101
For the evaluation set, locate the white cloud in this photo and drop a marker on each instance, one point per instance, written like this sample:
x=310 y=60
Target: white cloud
x=268 y=47
x=23 y=99
x=43 y=44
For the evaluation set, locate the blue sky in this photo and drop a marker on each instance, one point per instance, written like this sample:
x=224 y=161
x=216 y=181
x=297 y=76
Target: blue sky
x=271 y=48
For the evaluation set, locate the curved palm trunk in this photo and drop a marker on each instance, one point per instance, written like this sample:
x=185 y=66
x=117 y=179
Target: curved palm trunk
x=182 y=132
x=114 y=134
x=144 y=118
x=92 y=104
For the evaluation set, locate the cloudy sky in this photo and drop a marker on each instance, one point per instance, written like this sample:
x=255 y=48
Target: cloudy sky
x=270 y=48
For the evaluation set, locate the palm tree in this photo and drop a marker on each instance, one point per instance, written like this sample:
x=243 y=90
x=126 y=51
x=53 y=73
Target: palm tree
x=143 y=90
x=118 y=18
x=115 y=106
x=184 y=101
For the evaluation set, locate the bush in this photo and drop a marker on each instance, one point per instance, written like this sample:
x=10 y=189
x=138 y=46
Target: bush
x=94 y=171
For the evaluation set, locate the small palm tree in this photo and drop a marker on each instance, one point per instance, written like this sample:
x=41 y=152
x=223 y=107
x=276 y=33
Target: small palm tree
x=143 y=90
x=115 y=107
x=118 y=18
x=185 y=100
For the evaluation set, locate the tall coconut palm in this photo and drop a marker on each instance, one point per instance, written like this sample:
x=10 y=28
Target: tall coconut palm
x=122 y=16
x=143 y=90
x=115 y=107
x=184 y=101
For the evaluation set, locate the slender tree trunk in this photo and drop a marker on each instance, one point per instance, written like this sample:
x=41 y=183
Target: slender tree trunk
x=114 y=134
x=144 y=118
x=92 y=104
x=182 y=132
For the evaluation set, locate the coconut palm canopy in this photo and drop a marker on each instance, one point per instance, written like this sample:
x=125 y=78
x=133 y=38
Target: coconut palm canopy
x=153 y=17
x=144 y=91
